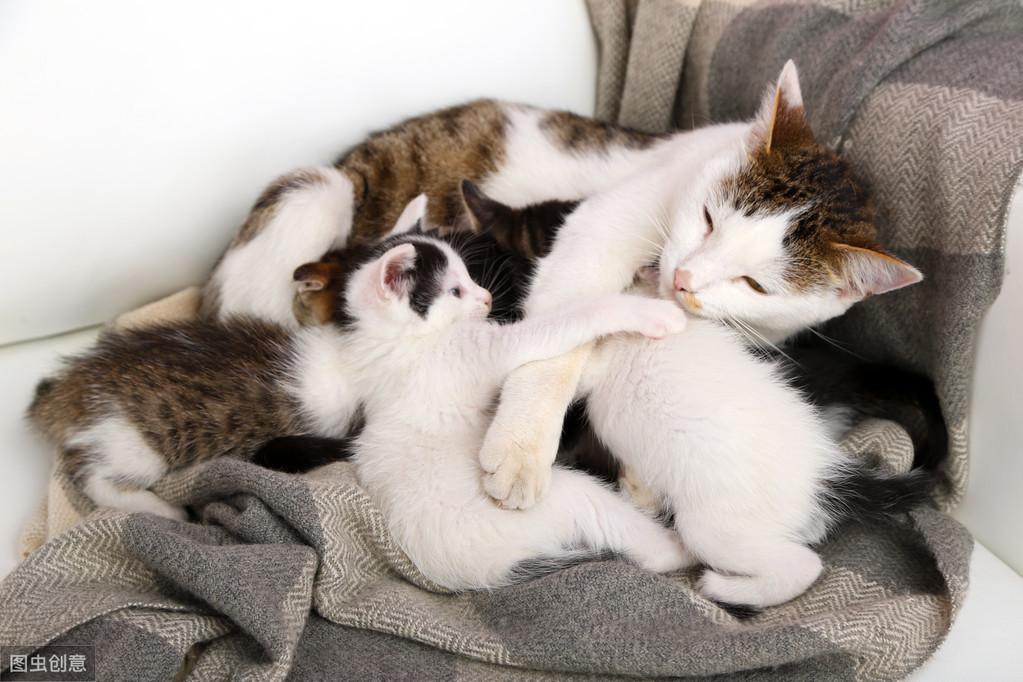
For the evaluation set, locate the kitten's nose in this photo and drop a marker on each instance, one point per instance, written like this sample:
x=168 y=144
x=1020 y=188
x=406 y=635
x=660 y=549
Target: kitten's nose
x=683 y=280
x=487 y=299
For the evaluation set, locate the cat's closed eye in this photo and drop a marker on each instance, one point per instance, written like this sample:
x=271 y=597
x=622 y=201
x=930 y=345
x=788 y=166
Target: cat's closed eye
x=709 y=220
x=754 y=285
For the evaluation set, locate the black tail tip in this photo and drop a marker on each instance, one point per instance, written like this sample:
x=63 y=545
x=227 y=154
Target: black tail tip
x=868 y=494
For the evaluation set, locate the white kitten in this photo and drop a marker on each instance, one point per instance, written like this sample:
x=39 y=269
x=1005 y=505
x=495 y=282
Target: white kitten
x=428 y=366
x=750 y=470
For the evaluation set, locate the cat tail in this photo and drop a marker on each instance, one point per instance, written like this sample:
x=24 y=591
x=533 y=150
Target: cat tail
x=538 y=567
x=860 y=492
x=299 y=454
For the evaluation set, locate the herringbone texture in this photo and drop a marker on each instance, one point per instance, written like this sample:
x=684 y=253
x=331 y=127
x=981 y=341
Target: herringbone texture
x=236 y=593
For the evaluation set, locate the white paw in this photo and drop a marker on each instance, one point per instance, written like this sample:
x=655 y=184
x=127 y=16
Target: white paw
x=668 y=555
x=657 y=318
x=721 y=588
x=516 y=477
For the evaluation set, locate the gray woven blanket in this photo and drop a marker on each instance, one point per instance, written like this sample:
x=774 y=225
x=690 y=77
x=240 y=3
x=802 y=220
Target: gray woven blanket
x=292 y=574
x=297 y=576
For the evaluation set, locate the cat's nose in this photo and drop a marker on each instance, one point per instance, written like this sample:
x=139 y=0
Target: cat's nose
x=487 y=299
x=683 y=280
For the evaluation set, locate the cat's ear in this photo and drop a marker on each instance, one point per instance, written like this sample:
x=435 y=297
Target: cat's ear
x=781 y=121
x=316 y=286
x=868 y=272
x=392 y=270
x=412 y=217
x=481 y=210
x=316 y=276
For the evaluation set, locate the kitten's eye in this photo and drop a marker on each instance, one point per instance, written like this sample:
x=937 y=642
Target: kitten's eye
x=710 y=221
x=455 y=291
x=754 y=285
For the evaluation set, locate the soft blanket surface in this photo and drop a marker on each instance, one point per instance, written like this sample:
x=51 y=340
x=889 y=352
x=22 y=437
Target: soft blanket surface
x=298 y=576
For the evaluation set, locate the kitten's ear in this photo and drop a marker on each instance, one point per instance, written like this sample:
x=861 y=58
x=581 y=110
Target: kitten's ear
x=866 y=272
x=481 y=210
x=412 y=217
x=781 y=121
x=316 y=276
x=392 y=271
x=316 y=287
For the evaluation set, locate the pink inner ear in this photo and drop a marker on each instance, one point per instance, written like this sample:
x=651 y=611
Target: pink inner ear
x=392 y=276
x=393 y=265
x=869 y=272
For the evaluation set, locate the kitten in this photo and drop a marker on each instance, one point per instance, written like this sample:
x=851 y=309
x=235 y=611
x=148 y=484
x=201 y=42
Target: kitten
x=415 y=355
x=754 y=223
x=500 y=245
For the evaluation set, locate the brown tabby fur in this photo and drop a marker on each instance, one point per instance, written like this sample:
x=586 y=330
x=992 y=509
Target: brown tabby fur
x=430 y=155
x=789 y=169
x=217 y=408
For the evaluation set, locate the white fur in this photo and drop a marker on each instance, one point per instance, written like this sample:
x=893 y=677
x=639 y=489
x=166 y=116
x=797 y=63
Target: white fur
x=320 y=382
x=120 y=466
x=723 y=440
x=427 y=386
x=255 y=278
x=536 y=168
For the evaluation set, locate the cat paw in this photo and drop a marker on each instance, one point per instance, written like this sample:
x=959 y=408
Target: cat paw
x=515 y=477
x=667 y=554
x=656 y=318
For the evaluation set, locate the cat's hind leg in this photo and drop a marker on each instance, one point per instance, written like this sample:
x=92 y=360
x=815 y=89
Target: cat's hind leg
x=116 y=466
x=750 y=568
x=589 y=514
x=297 y=219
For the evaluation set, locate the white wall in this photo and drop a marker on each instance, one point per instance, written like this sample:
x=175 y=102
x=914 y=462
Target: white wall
x=993 y=506
x=134 y=135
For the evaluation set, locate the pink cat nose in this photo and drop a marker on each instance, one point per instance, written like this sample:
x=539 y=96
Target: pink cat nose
x=487 y=299
x=683 y=280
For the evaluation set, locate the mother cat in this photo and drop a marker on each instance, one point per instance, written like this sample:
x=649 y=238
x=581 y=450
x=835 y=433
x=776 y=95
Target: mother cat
x=786 y=238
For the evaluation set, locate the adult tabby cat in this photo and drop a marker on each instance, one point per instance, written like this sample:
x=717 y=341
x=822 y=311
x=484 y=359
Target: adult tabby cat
x=755 y=223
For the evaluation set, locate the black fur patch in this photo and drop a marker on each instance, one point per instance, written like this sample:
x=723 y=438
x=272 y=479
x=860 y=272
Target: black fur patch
x=431 y=263
x=830 y=377
x=298 y=454
x=422 y=281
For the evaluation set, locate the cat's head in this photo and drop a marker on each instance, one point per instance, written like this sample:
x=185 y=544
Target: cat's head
x=777 y=234
x=408 y=283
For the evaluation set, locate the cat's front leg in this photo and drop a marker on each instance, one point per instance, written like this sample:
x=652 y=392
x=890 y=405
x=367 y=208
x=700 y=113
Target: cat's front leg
x=522 y=441
x=598 y=250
